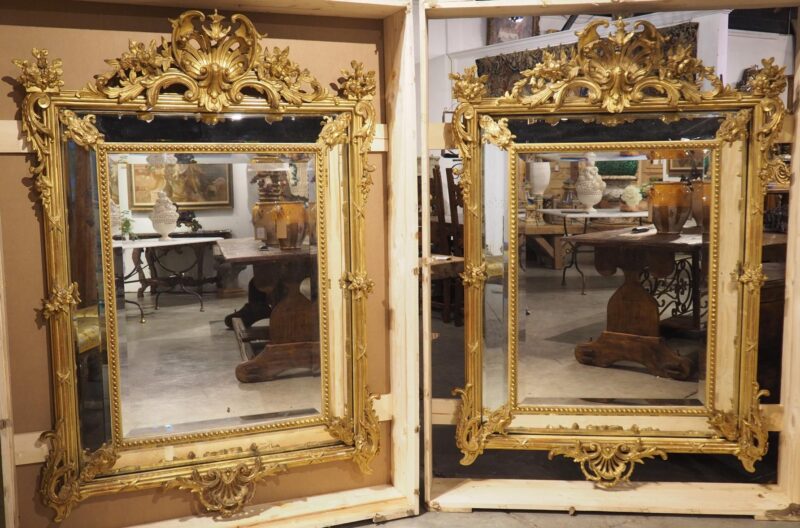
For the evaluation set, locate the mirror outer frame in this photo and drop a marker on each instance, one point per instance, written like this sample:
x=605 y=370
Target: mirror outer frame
x=665 y=81
x=269 y=83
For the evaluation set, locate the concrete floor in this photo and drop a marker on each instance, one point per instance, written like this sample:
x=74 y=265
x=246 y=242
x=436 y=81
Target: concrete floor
x=552 y=320
x=182 y=358
x=516 y=519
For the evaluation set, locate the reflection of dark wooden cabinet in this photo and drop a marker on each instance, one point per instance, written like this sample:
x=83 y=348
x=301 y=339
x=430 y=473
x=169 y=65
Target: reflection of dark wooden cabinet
x=770 y=330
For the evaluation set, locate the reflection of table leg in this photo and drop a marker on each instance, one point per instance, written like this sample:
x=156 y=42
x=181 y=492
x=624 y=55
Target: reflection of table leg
x=293 y=324
x=632 y=327
x=136 y=257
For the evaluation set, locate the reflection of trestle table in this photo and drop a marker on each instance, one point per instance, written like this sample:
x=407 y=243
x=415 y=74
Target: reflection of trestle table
x=633 y=320
x=292 y=339
x=568 y=216
x=154 y=251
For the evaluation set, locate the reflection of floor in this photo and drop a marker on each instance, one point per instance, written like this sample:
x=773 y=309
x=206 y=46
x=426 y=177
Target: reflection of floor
x=555 y=318
x=178 y=372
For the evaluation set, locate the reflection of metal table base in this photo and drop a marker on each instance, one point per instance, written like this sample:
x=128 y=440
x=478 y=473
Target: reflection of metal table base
x=178 y=280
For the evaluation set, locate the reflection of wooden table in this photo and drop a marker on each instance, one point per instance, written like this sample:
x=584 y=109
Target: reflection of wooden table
x=292 y=339
x=548 y=239
x=632 y=327
x=569 y=216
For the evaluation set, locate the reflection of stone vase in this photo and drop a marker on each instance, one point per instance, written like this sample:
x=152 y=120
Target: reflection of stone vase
x=115 y=215
x=670 y=206
x=538 y=181
x=164 y=216
x=701 y=204
x=590 y=185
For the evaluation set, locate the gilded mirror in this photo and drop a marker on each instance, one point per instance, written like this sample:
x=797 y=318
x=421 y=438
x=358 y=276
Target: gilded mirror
x=203 y=210
x=616 y=320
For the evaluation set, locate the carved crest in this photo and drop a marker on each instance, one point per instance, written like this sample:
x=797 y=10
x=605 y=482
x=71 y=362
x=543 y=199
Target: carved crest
x=617 y=71
x=215 y=61
x=607 y=465
x=226 y=490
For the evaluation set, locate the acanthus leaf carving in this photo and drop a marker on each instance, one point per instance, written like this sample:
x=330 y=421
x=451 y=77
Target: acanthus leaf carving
x=735 y=127
x=617 y=71
x=749 y=430
x=40 y=79
x=497 y=132
x=61 y=480
x=334 y=130
x=607 y=464
x=472 y=432
x=225 y=491
x=81 y=130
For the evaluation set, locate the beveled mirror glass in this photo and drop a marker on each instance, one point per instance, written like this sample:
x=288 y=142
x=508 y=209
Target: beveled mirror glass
x=203 y=215
x=615 y=319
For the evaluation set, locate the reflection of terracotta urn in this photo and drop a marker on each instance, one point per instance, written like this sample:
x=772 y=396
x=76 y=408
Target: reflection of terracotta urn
x=279 y=218
x=670 y=206
x=701 y=204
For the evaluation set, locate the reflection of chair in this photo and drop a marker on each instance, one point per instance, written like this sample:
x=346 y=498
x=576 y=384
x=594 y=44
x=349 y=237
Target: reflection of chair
x=87 y=329
x=447 y=239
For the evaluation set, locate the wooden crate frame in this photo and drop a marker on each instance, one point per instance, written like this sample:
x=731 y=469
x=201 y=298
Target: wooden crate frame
x=398 y=137
x=780 y=501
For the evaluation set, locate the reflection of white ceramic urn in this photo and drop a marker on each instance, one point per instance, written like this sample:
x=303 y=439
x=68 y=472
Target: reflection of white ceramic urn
x=590 y=185
x=116 y=218
x=164 y=216
x=538 y=176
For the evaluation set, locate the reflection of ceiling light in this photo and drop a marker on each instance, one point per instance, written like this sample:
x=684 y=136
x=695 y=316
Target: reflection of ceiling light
x=516 y=18
x=236 y=117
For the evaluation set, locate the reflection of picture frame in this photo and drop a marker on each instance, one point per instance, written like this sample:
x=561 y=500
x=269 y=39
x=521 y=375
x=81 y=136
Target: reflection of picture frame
x=189 y=185
x=680 y=165
x=505 y=29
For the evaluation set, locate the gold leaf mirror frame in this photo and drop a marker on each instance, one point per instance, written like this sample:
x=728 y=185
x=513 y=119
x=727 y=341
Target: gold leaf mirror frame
x=612 y=79
x=239 y=76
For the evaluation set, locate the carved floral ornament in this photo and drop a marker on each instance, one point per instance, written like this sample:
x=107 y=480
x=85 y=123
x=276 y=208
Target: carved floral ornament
x=209 y=64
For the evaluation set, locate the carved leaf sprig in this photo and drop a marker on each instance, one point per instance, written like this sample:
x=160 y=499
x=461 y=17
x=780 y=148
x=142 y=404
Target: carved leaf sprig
x=358 y=84
x=41 y=75
x=469 y=87
x=357 y=284
x=60 y=300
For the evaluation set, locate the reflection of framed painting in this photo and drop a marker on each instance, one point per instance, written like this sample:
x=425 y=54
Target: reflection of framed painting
x=680 y=165
x=506 y=29
x=189 y=185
